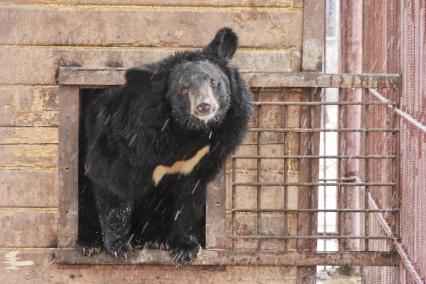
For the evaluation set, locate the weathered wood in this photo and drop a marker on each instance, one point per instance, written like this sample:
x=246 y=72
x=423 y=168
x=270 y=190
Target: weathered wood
x=28 y=135
x=298 y=3
x=315 y=115
x=28 y=106
x=28 y=156
x=53 y=57
x=308 y=171
x=237 y=257
x=28 y=227
x=312 y=60
x=115 y=76
x=351 y=60
x=28 y=188
x=160 y=3
x=292 y=167
x=38 y=266
x=144 y=26
x=69 y=108
x=215 y=212
x=313 y=35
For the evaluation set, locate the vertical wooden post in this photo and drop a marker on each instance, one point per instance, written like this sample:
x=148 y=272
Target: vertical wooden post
x=69 y=111
x=312 y=60
x=351 y=62
x=215 y=212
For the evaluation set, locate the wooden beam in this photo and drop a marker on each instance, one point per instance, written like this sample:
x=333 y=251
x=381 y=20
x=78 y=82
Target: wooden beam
x=38 y=266
x=313 y=35
x=237 y=257
x=115 y=76
x=215 y=212
x=312 y=60
x=69 y=114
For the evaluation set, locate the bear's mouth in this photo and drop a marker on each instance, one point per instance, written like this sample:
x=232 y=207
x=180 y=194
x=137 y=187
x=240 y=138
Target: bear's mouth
x=205 y=117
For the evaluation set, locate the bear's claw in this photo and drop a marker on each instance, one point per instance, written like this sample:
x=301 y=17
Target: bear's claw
x=184 y=255
x=120 y=247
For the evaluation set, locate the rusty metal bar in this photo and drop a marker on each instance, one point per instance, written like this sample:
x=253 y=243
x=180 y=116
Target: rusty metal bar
x=324 y=188
x=395 y=165
x=323 y=130
x=398 y=246
x=285 y=167
x=366 y=169
x=233 y=194
x=317 y=237
x=258 y=165
x=314 y=157
x=339 y=174
x=315 y=122
x=341 y=103
x=313 y=184
x=266 y=143
x=401 y=113
x=348 y=210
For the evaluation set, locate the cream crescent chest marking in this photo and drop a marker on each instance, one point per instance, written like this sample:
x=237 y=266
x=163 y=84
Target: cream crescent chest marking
x=180 y=167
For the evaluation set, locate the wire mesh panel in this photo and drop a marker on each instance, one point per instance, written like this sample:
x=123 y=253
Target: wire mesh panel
x=394 y=38
x=289 y=189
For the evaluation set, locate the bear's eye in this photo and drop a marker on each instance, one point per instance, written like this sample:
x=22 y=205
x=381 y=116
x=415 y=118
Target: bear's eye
x=213 y=83
x=184 y=91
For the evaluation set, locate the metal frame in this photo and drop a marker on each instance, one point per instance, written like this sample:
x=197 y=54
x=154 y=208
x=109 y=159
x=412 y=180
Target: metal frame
x=219 y=245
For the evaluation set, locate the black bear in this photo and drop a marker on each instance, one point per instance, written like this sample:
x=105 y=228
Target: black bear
x=151 y=146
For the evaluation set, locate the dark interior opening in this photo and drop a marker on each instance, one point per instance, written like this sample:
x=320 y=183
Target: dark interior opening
x=89 y=229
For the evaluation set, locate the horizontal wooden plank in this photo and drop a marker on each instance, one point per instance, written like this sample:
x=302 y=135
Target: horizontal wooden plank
x=28 y=106
x=177 y=27
x=28 y=156
x=39 y=64
x=28 y=188
x=28 y=135
x=238 y=257
x=115 y=76
x=298 y=3
x=320 y=80
x=38 y=266
x=28 y=228
x=190 y=3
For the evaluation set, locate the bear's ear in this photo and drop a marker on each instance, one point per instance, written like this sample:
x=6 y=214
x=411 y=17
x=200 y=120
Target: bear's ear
x=224 y=44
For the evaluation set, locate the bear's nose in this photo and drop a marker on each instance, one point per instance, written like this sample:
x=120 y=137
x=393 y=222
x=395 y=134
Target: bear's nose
x=203 y=108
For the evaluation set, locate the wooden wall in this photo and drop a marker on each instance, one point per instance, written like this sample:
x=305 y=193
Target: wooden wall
x=38 y=36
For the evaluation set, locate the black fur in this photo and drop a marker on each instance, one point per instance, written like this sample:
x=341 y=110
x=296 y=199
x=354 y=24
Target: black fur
x=128 y=130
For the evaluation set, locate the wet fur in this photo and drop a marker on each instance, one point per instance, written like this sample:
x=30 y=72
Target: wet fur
x=129 y=130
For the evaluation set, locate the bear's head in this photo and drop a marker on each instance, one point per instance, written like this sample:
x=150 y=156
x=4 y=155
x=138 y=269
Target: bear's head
x=196 y=84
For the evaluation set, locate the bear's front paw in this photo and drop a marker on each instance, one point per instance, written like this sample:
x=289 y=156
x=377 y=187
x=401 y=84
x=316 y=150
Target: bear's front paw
x=119 y=247
x=186 y=252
